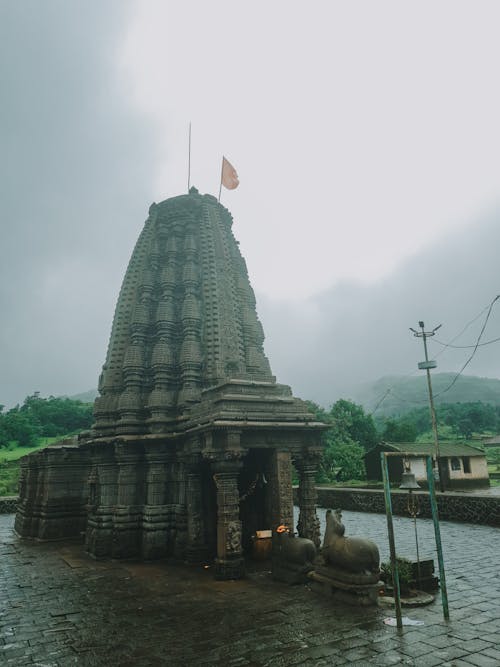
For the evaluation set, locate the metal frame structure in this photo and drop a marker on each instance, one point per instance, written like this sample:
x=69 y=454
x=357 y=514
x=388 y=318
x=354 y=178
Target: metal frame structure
x=390 y=529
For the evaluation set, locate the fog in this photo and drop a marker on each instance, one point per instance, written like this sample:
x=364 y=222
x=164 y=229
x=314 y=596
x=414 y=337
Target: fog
x=368 y=170
x=328 y=345
x=74 y=191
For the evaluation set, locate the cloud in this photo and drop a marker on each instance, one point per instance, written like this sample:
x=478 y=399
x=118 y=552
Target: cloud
x=75 y=172
x=326 y=346
x=78 y=164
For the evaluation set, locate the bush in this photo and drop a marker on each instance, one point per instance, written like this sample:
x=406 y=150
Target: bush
x=405 y=571
x=9 y=480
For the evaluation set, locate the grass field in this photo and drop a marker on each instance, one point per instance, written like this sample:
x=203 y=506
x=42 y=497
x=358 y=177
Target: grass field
x=9 y=479
x=9 y=469
x=15 y=453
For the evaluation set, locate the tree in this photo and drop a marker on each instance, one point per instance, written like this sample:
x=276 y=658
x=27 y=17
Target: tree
x=18 y=427
x=361 y=428
x=493 y=456
x=453 y=419
x=399 y=431
x=57 y=416
x=342 y=460
x=343 y=456
x=43 y=417
x=465 y=427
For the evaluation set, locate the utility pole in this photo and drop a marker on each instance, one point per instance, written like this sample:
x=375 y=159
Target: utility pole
x=427 y=365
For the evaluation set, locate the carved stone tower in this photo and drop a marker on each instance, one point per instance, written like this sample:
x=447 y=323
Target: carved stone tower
x=193 y=441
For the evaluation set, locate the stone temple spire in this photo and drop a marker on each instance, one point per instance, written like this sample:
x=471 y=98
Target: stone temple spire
x=185 y=319
x=193 y=442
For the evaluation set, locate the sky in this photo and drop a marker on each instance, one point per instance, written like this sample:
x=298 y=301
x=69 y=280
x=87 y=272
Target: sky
x=366 y=139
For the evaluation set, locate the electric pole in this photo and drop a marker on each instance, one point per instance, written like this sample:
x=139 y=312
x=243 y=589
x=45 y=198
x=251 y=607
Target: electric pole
x=427 y=365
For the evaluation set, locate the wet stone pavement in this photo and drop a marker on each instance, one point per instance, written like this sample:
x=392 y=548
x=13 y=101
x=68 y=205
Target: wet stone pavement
x=58 y=608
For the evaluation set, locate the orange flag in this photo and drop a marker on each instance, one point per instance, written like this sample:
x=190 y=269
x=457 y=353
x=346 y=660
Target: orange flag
x=229 y=178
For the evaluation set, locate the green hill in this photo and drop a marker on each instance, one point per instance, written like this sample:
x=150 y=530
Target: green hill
x=395 y=395
x=86 y=396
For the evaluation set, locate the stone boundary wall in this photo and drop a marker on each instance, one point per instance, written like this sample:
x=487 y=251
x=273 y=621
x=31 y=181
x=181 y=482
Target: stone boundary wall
x=466 y=507
x=452 y=506
x=8 y=504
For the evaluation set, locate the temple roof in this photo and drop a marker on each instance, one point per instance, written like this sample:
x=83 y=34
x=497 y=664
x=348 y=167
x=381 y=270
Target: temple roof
x=185 y=320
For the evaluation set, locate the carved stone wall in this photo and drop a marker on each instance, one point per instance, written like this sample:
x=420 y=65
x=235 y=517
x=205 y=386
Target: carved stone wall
x=185 y=319
x=187 y=401
x=53 y=490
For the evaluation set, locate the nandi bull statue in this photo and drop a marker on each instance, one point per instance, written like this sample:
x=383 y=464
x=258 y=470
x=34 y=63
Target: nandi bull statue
x=348 y=567
x=355 y=554
x=292 y=556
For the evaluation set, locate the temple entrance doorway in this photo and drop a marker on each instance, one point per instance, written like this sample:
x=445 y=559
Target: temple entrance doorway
x=254 y=490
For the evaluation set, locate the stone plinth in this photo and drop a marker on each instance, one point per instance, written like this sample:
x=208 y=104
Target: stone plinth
x=341 y=586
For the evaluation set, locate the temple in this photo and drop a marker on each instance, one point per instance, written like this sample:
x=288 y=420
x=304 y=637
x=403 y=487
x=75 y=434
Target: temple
x=192 y=447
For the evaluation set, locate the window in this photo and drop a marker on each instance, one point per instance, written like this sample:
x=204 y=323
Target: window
x=466 y=462
x=455 y=463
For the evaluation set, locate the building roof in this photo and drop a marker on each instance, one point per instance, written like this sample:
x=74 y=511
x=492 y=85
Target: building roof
x=186 y=345
x=445 y=448
x=495 y=440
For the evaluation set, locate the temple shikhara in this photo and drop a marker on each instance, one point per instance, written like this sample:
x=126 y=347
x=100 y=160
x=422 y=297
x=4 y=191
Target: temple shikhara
x=193 y=442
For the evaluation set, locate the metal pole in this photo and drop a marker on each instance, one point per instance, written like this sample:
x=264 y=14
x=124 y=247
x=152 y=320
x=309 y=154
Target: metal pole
x=437 y=533
x=433 y=411
x=392 y=544
x=419 y=577
x=221 y=174
x=189 y=158
x=427 y=365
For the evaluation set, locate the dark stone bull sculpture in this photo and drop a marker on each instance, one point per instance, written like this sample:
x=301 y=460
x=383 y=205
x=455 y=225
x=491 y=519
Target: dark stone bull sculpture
x=354 y=554
x=293 y=557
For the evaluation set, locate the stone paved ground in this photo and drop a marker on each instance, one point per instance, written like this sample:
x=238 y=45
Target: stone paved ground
x=59 y=608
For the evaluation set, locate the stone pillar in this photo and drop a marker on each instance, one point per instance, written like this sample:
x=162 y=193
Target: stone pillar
x=226 y=466
x=156 y=511
x=197 y=549
x=127 y=515
x=308 y=524
x=27 y=490
x=102 y=499
x=280 y=498
x=179 y=508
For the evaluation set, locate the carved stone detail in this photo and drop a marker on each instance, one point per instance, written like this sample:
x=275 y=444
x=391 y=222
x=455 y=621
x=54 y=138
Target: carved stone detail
x=187 y=401
x=308 y=524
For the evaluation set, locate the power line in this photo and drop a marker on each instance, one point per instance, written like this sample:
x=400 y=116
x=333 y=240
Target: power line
x=466 y=347
x=450 y=344
x=390 y=390
x=478 y=344
x=490 y=308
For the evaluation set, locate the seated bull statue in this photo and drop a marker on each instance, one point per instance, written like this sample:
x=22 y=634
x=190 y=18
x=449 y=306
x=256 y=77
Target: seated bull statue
x=292 y=556
x=354 y=554
x=348 y=567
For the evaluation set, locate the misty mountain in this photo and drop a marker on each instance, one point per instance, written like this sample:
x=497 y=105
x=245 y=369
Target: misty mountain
x=86 y=396
x=334 y=344
x=329 y=345
x=396 y=395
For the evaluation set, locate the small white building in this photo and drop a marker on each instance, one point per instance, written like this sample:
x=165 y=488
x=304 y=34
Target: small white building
x=461 y=465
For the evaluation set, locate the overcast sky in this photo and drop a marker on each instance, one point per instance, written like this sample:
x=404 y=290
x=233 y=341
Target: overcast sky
x=366 y=138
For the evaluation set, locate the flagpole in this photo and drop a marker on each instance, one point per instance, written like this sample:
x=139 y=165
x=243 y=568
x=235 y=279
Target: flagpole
x=189 y=158
x=221 y=174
